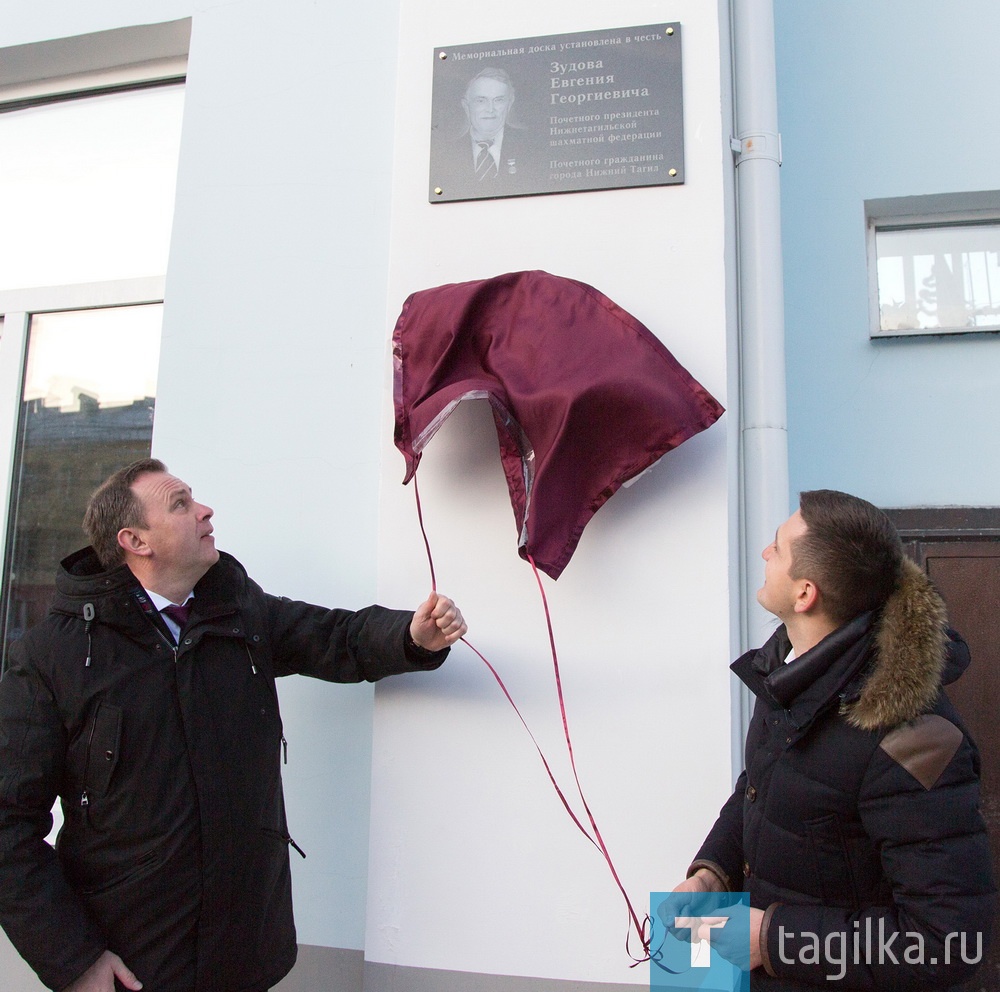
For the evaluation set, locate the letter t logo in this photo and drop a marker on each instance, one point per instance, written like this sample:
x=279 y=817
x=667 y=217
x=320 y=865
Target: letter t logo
x=701 y=927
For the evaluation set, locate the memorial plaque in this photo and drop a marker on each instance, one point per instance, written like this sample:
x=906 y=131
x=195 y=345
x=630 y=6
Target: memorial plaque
x=558 y=114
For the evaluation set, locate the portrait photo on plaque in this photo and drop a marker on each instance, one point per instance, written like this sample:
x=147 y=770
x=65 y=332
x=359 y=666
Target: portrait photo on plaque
x=557 y=114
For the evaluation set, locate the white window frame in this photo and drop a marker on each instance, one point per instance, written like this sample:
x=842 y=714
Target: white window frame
x=922 y=212
x=90 y=63
x=65 y=68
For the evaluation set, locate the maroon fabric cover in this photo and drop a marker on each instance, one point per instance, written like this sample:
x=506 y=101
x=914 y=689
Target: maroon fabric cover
x=584 y=396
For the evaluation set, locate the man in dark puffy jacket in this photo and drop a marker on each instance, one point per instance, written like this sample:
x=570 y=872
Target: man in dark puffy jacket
x=146 y=702
x=855 y=827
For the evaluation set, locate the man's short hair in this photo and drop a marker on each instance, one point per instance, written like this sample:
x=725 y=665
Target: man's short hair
x=850 y=550
x=114 y=506
x=492 y=72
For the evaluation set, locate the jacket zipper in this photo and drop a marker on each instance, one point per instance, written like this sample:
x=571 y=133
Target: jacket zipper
x=253 y=668
x=284 y=743
x=88 y=616
x=85 y=797
x=163 y=637
x=285 y=838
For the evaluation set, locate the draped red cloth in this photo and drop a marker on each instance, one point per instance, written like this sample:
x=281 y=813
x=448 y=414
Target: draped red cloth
x=584 y=396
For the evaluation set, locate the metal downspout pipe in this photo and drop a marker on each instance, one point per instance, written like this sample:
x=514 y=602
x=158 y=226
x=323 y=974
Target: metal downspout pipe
x=763 y=420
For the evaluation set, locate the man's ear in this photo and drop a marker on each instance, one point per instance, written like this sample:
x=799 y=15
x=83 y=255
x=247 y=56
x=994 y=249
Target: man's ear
x=806 y=596
x=132 y=543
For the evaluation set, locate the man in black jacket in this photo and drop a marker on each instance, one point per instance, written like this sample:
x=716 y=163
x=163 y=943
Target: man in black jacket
x=855 y=827
x=146 y=702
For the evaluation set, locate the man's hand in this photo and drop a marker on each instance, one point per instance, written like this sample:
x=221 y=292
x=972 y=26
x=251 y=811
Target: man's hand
x=702 y=880
x=735 y=952
x=101 y=975
x=437 y=623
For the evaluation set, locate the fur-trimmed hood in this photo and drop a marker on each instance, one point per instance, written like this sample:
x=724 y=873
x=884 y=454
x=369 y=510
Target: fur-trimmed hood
x=881 y=669
x=911 y=647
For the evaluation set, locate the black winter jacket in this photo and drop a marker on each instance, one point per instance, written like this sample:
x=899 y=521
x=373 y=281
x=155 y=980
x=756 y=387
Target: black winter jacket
x=856 y=824
x=174 y=848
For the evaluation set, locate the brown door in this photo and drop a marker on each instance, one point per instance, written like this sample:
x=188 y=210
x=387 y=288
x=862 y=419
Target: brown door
x=964 y=565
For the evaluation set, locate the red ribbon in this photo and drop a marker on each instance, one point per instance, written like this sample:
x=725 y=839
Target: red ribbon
x=641 y=929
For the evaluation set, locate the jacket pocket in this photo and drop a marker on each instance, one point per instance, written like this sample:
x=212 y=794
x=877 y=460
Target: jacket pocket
x=831 y=861
x=142 y=866
x=102 y=749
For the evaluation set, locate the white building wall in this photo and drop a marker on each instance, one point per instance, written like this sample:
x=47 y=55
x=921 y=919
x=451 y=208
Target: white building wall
x=271 y=364
x=474 y=864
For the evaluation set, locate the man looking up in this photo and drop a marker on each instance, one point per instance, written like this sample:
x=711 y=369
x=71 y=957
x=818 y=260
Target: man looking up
x=855 y=827
x=146 y=702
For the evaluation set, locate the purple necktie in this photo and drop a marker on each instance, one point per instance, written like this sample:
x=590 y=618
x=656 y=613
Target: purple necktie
x=179 y=614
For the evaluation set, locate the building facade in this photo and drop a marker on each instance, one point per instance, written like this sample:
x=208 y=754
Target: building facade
x=439 y=857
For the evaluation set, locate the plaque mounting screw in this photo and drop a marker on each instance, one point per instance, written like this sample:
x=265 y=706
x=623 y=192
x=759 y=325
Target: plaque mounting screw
x=672 y=173
x=438 y=191
x=442 y=55
x=670 y=31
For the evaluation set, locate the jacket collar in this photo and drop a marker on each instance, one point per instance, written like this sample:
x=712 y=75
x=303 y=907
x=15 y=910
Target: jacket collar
x=809 y=684
x=85 y=589
x=883 y=668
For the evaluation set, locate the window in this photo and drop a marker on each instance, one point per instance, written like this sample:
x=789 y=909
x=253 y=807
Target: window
x=88 y=170
x=934 y=264
x=88 y=185
x=87 y=409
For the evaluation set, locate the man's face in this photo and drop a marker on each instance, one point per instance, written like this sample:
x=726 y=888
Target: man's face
x=777 y=594
x=487 y=102
x=178 y=530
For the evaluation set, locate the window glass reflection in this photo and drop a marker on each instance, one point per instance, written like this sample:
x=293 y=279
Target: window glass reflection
x=939 y=278
x=87 y=188
x=87 y=409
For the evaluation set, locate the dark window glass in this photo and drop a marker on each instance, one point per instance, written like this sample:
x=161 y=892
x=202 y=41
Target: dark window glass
x=86 y=410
